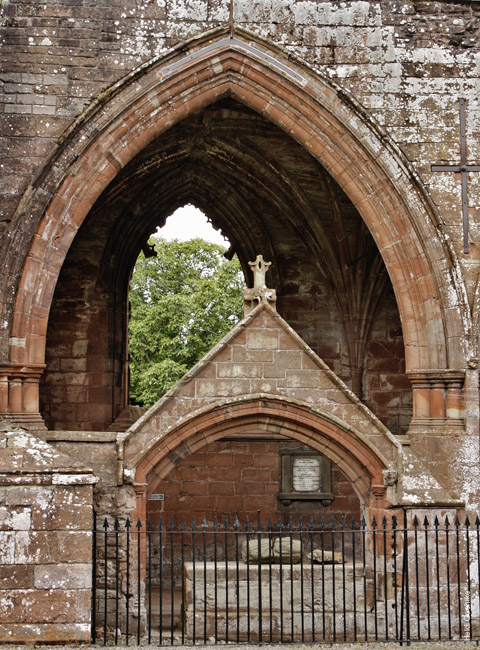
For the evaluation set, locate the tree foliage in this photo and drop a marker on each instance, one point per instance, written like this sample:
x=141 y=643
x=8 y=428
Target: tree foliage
x=182 y=302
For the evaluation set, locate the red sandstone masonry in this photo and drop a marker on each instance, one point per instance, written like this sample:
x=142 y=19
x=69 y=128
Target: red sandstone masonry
x=198 y=99
x=230 y=408
x=45 y=534
x=249 y=487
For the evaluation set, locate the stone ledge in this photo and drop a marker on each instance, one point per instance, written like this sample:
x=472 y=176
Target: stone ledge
x=82 y=436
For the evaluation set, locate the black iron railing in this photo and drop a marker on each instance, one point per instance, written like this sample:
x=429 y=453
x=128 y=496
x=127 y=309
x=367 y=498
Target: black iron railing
x=303 y=581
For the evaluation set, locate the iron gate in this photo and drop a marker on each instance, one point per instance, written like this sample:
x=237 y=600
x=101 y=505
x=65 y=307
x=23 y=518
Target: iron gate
x=307 y=581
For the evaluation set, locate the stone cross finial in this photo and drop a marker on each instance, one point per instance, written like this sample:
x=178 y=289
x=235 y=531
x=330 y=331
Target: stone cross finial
x=259 y=292
x=259 y=268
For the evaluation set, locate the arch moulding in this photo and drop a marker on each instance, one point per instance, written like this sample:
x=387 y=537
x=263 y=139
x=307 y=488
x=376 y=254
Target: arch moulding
x=349 y=451
x=125 y=119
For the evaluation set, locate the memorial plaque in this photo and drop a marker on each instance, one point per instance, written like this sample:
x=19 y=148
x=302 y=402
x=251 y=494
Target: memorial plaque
x=306 y=474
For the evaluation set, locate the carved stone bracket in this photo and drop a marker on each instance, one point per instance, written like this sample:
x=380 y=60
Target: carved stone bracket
x=390 y=477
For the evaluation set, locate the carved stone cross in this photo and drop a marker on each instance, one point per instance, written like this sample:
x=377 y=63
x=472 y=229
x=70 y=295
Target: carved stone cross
x=464 y=169
x=259 y=292
x=259 y=268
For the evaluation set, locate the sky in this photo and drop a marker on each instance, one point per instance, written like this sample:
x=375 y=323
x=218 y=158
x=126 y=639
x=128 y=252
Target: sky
x=189 y=222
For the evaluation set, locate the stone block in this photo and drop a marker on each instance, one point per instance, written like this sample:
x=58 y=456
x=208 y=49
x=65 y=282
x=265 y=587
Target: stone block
x=14 y=576
x=282 y=361
x=63 y=576
x=64 y=633
x=262 y=339
x=10 y=458
x=222 y=488
x=33 y=547
x=75 y=547
x=70 y=509
x=221 y=388
x=286 y=342
x=28 y=495
x=302 y=379
x=100 y=456
x=83 y=605
x=7 y=547
x=236 y=369
x=263 y=386
x=15 y=518
x=34 y=606
x=241 y=353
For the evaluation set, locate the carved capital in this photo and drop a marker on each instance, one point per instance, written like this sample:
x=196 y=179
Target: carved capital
x=19 y=401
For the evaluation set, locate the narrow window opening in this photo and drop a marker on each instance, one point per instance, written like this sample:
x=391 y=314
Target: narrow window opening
x=184 y=297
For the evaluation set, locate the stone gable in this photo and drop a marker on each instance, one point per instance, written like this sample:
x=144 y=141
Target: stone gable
x=263 y=359
x=261 y=356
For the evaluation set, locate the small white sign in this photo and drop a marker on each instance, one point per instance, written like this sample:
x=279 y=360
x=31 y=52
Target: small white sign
x=156 y=497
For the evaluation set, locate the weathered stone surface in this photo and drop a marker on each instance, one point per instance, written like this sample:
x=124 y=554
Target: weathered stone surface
x=26 y=496
x=14 y=576
x=37 y=606
x=64 y=633
x=63 y=576
x=33 y=547
x=45 y=572
x=75 y=547
x=324 y=166
x=15 y=519
x=7 y=547
x=327 y=597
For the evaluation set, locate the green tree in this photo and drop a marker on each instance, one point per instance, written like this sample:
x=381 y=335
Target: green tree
x=182 y=302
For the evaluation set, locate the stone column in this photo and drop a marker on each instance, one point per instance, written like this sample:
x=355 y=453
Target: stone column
x=455 y=403
x=19 y=396
x=421 y=398
x=438 y=406
x=437 y=399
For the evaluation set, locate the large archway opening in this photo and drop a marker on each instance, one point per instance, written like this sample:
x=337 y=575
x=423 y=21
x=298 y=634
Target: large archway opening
x=267 y=194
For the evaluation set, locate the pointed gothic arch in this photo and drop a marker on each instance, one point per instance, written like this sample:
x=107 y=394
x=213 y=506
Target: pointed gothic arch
x=326 y=122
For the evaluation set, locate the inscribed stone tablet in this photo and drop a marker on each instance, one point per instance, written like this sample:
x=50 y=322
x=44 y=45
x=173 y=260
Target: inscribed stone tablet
x=306 y=474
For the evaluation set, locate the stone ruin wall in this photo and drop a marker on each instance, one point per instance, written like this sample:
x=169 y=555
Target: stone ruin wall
x=45 y=542
x=99 y=451
x=405 y=63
